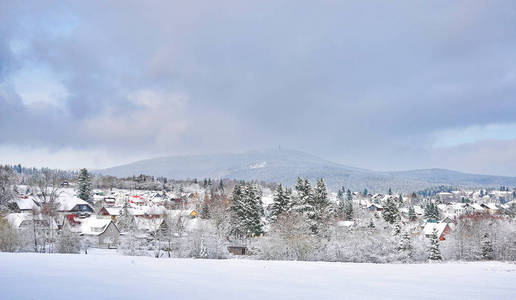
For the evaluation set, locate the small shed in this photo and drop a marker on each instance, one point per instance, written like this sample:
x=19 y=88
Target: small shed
x=238 y=250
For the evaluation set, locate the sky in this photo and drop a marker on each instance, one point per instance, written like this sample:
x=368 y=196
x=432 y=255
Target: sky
x=374 y=84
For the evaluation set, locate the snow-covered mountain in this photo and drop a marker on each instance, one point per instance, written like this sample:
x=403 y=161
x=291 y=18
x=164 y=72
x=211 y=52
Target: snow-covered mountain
x=278 y=165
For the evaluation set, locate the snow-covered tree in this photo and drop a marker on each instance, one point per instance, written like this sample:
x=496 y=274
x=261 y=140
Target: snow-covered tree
x=125 y=220
x=7 y=183
x=431 y=211
x=281 y=203
x=487 y=248
x=348 y=211
x=203 y=253
x=390 y=211
x=412 y=213
x=397 y=228
x=303 y=200
x=84 y=185
x=405 y=245
x=434 y=252
x=247 y=211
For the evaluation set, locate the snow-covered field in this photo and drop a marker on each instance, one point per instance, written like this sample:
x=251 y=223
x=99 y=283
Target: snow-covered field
x=101 y=276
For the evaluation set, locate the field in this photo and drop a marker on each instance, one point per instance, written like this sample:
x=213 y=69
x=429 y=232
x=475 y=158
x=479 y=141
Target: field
x=101 y=276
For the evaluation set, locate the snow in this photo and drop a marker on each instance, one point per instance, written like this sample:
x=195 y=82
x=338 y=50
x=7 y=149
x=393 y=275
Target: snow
x=429 y=228
x=104 y=276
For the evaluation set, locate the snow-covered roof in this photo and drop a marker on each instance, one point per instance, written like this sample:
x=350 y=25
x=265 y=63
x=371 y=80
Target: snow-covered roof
x=27 y=202
x=94 y=226
x=345 y=223
x=68 y=200
x=477 y=206
x=419 y=210
x=491 y=206
x=151 y=224
x=15 y=219
x=429 y=228
x=113 y=211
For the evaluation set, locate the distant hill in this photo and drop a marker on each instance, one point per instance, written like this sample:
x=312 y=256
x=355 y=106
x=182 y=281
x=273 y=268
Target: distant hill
x=277 y=165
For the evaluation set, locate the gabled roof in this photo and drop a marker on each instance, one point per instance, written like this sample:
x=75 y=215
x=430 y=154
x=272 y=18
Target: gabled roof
x=113 y=211
x=27 y=203
x=94 y=226
x=429 y=227
x=67 y=201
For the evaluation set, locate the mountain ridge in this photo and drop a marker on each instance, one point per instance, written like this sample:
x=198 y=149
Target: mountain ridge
x=280 y=165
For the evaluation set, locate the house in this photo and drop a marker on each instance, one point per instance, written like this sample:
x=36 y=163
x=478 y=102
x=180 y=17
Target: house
x=490 y=207
x=375 y=207
x=112 y=212
x=44 y=227
x=442 y=229
x=68 y=203
x=103 y=233
x=446 y=197
x=24 y=204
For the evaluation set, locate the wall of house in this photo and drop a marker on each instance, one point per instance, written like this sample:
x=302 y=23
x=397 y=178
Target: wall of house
x=109 y=236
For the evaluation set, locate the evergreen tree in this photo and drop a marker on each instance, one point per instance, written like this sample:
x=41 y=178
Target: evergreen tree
x=349 y=196
x=349 y=211
x=431 y=211
x=303 y=201
x=371 y=224
x=434 y=253
x=365 y=192
x=321 y=205
x=390 y=211
x=405 y=244
x=281 y=203
x=247 y=209
x=203 y=253
x=84 y=185
x=487 y=248
x=390 y=191
x=340 y=195
x=125 y=220
x=412 y=214
x=205 y=210
x=397 y=228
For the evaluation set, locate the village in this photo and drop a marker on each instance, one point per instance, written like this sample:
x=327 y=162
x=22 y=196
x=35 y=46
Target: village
x=195 y=220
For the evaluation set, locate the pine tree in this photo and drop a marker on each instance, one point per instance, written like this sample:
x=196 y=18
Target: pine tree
x=125 y=220
x=390 y=211
x=84 y=185
x=349 y=211
x=434 y=253
x=405 y=244
x=487 y=248
x=412 y=214
x=371 y=224
x=205 y=210
x=303 y=200
x=390 y=191
x=397 y=229
x=349 y=196
x=281 y=203
x=431 y=211
x=203 y=253
x=321 y=205
x=247 y=211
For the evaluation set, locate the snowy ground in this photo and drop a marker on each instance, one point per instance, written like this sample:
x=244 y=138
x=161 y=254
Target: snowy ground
x=99 y=275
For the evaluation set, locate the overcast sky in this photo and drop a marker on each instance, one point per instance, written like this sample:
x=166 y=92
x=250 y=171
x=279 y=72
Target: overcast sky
x=375 y=84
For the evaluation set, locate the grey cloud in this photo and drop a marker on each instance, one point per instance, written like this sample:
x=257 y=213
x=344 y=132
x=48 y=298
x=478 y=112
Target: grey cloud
x=366 y=84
